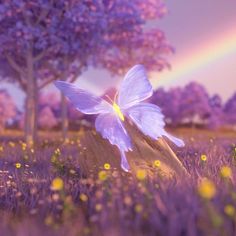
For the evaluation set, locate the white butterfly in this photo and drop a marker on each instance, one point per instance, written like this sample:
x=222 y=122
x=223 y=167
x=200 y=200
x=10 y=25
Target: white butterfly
x=134 y=89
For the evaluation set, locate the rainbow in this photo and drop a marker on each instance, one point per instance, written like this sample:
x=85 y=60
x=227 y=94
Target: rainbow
x=200 y=57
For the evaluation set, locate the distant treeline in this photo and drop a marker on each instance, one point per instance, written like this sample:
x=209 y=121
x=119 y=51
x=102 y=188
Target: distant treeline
x=186 y=106
x=192 y=105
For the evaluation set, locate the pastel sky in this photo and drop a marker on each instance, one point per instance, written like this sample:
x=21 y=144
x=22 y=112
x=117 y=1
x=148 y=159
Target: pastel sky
x=203 y=33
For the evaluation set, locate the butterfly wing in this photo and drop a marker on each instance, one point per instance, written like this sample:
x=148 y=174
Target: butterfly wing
x=150 y=121
x=82 y=100
x=110 y=127
x=134 y=88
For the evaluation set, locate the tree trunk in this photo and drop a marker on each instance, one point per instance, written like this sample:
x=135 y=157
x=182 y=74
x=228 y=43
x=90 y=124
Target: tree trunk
x=35 y=111
x=64 y=108
x=64 y=117
x=2 y=126
x=31 y=104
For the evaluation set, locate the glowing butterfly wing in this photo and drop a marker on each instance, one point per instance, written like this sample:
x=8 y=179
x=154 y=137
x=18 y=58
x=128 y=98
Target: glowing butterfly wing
x=134 y=88
x=83 y=100
x=111 y=128
x=150 y=121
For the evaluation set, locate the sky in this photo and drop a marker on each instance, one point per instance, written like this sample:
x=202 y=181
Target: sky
x=203 y=33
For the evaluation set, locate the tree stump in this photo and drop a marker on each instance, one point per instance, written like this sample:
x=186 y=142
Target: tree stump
x=98 y=151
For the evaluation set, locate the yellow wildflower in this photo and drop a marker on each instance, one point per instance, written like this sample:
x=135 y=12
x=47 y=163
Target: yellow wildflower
x=225 y=172
x=57 y=152
x=141 y=174
x=107 y=166
x=23 y=146
x=138 y=208
x=207 y=189
x=48 y=220
x=102 y=175
x=83 y=197
x=11 y=144
x=203 y=157
x=98 y=207
x=57 y=184
x=157 y=163
x=229 y=210
x=18 y=165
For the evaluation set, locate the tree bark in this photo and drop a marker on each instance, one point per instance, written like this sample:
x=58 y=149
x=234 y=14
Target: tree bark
x=31 y=103
x=64 y=117
x=2 y=126
x=64 y=108
x=35 y=111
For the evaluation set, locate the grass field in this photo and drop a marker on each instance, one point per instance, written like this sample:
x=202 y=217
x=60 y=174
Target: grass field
x=46 y=190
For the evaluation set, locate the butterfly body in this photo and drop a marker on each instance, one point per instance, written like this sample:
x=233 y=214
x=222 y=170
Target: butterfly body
x=118 y=111
x=134 y=89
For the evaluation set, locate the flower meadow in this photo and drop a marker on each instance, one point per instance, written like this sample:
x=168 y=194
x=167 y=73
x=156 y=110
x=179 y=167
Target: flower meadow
x=44 y=192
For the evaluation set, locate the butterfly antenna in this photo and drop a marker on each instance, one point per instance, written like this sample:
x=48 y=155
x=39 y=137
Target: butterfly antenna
x=109 y=98
x=116 y=95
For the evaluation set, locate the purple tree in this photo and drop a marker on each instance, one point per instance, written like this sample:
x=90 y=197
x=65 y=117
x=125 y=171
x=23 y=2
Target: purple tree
x=230 y=110
x=37 y=39
x=7 y=108
x=47 y=119
x=59 y=39
x=194 y=107
x=49 y=99
x=169 y=102
x=130 y=41
x=216 y=118
x=172 y=107
x=127 y=40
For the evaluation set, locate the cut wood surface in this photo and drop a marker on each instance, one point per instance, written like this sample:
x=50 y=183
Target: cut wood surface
x=98 y=151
